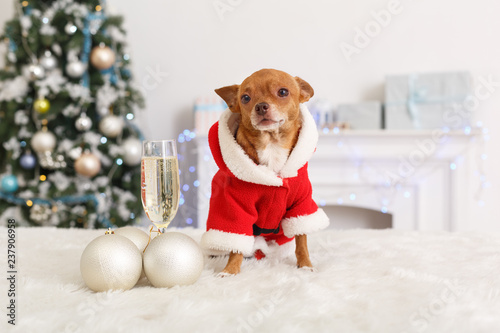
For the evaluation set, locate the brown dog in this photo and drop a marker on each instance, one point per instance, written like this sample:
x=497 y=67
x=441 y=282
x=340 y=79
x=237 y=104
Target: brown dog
x=268 y=102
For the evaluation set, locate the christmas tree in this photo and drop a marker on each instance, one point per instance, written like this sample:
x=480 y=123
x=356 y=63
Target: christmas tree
x=70 y=152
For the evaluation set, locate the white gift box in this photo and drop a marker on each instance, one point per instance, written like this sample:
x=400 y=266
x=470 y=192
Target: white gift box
x=427 y=101
x=363 y=115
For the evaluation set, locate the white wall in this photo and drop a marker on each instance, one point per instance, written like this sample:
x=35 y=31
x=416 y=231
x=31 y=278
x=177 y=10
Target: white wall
x=200 y=52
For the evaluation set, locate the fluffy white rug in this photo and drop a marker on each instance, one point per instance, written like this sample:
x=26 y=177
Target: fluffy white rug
x=365 y=281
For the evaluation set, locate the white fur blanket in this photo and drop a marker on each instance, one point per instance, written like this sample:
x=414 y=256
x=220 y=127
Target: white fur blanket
x=365 y=281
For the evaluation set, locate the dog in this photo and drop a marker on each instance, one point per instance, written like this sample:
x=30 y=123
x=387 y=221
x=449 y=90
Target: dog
x=262 y=144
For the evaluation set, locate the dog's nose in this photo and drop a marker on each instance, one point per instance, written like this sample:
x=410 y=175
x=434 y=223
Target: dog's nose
x=261 y=108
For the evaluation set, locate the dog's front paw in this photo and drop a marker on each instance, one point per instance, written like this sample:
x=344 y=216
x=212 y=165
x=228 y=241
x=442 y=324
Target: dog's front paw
x=307 y=268
x=224 y=274
x=304 y=262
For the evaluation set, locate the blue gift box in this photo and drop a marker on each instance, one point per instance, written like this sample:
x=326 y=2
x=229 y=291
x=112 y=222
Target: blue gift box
x=427 y=101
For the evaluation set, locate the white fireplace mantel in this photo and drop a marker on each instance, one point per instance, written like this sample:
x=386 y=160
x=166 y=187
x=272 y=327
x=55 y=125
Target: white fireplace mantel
x=420 y=177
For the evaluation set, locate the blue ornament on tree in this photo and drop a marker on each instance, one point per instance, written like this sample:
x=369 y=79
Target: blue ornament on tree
x=9 y=184
x=27 y=161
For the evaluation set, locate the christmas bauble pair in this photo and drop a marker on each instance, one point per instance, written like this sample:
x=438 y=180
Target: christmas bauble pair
x=115 y=261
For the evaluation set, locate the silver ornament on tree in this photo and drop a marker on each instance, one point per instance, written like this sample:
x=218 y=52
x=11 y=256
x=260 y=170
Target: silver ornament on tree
x=171 y=259
x=75 y=69
x=48 y=61
x=132 y=151
x=88 y=164
x=34 y=72
x=111 y=126
x=111 y=262
x=83 y=122
x=43 y=140
x=102 y=57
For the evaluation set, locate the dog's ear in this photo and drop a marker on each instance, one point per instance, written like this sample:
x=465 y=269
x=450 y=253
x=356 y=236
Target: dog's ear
x=306 y=91
x=230 y=95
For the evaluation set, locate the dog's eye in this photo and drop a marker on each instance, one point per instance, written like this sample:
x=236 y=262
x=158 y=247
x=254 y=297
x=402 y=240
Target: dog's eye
x=283 y=92
x=245 y=99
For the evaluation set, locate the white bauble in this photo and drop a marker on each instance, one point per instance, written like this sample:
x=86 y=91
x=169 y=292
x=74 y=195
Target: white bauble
x=173 y=259
x=88 y=165
x=48 y=61
x=111 y=126
x=83 y=123
x=132 y=151
x=137 y=236
x=43 y=140
x=75 y=69
x=111 y=262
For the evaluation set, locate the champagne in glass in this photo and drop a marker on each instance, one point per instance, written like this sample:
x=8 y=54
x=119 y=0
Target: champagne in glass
x=160 y=190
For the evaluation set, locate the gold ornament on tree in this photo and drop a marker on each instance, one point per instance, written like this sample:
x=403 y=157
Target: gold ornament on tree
x=41 y=105
x=102 y=57
x=88 y=165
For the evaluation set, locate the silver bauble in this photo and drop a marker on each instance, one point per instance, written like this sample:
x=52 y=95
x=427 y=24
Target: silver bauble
x=34 y=72
x=111 y=262
x=102 y=57
x=173 y=259
x=111 y=126
x=132 y=151
x=43 y=140
x=70 y=28
x=48 y=61
x=88 y=165
x=83 y=123
x=75 y=69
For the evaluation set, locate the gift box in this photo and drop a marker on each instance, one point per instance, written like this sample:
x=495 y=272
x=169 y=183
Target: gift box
x=427 y=101
x=364 y=115
x=207 y=111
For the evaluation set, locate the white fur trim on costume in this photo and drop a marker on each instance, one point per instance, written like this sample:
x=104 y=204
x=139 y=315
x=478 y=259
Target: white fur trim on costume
x=245 y=169
x=305 y=224
x=272 y=250
x=235 y=157
x=227 y=242
x=306 y=144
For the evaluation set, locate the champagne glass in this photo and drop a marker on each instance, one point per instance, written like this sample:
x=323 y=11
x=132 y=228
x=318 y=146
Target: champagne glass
x=160 y=191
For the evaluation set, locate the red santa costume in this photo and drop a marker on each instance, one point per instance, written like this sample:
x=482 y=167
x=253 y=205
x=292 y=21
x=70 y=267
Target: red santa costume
x=250 y=200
